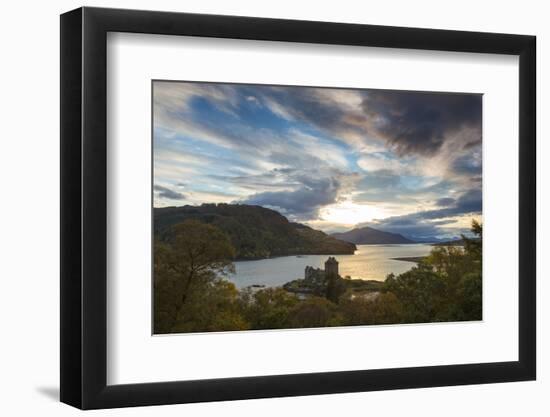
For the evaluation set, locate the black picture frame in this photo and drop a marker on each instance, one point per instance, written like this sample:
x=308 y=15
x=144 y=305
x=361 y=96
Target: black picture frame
x=84 y=207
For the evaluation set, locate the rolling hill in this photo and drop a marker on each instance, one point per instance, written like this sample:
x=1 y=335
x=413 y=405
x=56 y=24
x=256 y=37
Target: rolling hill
x=255 y=232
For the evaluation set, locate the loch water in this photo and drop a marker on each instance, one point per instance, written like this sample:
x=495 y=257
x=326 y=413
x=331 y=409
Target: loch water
x=369 y=262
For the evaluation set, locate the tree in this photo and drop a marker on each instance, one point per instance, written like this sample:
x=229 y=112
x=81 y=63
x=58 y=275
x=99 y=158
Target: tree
x=315 y=312
x=474 y=246
x=421 y=291
x=380 y=308
x=212 y=305
x=470 y=297
x=469 y=288
x=200 y=248
x=192 y=253
x=447 y=286
x=268 y=308
x=192 y=294
x=167 y=288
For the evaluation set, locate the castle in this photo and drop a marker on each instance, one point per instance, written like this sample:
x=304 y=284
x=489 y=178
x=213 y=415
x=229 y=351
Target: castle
x=331 y=267
x=319 y=276
x=320 y=282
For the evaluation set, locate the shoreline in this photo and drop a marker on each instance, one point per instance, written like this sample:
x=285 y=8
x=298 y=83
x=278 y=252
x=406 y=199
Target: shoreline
x=301 y=255
x=413 y=259
x=380 y=260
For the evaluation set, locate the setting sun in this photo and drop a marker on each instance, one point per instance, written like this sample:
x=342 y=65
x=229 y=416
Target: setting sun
x=347 y=212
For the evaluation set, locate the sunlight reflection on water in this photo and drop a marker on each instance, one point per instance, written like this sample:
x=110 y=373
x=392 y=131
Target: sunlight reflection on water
x=368 y=262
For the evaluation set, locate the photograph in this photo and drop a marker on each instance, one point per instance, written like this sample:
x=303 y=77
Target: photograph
x=286 y=207
x=301 y=205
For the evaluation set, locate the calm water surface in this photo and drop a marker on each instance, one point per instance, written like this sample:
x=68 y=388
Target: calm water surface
x=368 y=262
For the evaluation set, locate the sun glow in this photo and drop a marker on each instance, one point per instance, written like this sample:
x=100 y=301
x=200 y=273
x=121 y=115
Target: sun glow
x=348 y=213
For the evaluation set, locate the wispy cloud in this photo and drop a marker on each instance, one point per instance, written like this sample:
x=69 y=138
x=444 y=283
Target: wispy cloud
x=414 y=156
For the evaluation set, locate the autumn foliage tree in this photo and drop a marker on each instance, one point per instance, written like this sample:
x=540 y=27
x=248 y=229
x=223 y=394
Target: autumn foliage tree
x=194 y=255
x=447 y=286
x=192 y=294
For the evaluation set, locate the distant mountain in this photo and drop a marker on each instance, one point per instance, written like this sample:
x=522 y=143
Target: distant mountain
x=370 y=236
x=255 y=232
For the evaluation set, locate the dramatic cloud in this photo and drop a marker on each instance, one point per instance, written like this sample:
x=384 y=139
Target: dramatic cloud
x=309 y=192
x=303 y=203
x=420 y=122
x=324 y=156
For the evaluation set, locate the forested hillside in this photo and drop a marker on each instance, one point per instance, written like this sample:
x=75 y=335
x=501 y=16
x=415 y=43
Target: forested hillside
x=255 y=232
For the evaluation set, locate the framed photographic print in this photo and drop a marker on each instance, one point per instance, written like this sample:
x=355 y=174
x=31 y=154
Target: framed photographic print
x=257 y=208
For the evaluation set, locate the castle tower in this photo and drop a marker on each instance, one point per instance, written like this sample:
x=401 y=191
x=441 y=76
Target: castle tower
x=331 y=267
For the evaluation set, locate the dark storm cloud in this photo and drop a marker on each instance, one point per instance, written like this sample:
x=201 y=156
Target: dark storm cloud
x=409 y=122
x=168 y=193
x=420 y=122
x=302 y=203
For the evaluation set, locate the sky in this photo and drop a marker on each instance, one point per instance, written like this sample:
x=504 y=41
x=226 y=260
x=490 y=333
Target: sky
x=399 y=161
